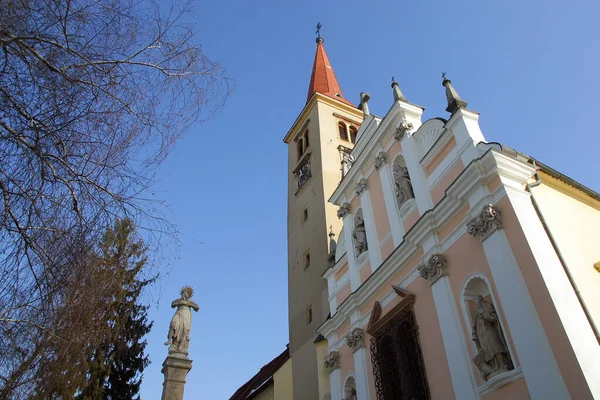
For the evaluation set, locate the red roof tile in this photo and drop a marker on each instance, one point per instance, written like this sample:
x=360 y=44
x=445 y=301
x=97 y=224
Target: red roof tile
x=323 y=78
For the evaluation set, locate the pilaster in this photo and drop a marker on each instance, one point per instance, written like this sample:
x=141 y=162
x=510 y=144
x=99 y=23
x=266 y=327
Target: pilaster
x=372 y=240
x=356 y=341
x=387 y=185
x=344 y=212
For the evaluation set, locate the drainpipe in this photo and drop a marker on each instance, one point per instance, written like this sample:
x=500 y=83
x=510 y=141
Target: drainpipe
x=538 y=181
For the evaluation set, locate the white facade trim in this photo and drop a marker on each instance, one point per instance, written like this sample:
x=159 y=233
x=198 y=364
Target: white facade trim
x=360 y=369
x=369 y=218
x=459 y=363
x=350 y=252
x=335 y=385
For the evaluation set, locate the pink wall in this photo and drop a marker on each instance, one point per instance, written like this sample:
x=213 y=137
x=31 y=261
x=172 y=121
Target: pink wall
x=438 y=192
x=387 y=248
x=343 y=294
x=412 y=219
x=382 y=222
x=365 y=271
x=439 y=157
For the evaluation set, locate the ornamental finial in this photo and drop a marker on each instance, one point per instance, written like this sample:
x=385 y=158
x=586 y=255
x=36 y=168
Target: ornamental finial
x=454 y=100
x=318 y=33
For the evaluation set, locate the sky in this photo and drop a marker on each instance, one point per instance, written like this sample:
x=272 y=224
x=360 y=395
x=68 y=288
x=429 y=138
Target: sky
x=529 y=67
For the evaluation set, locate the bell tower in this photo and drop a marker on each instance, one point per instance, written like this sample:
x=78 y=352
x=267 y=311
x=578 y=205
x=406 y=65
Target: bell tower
x=322 y=134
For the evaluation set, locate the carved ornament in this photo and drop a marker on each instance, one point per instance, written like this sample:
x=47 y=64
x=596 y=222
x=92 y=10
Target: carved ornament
x=404 y=128
x=434 y=269
x=332 y=361
x=361 y=186
x=344 y=210
x=486 y=222
x=380 y=160
x=356 y=339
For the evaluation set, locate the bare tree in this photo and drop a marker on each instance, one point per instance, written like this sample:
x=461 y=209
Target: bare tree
x=92 y=96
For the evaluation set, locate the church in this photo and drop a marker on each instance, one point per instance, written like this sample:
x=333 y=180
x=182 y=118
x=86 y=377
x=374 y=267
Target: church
x=428 y=262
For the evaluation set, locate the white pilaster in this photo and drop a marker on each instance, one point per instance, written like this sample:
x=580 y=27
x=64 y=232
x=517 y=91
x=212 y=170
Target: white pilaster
x=417 y=176
x=460 y=366
x=372 y=240
x=573 y=319
x=351 y=251
x=539 y=366
x=387 y=184
x=360 y=371
x=334 y=383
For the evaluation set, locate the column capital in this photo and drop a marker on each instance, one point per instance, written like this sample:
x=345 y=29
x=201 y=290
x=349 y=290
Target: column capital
x=402 y=130
x=332 y=361
x=344 y=210
x=361 y=186
x=380 y=160
x=434 y=268
x=356 y=339
x=486 y=222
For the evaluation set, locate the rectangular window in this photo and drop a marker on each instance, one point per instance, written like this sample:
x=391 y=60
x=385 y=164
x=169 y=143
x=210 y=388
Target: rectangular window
x=304 y=214
x=307 y=259
x=308 y=315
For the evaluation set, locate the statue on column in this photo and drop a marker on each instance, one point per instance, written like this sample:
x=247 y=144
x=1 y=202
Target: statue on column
x=347 y=161
x=493 y=357
x=404 y=190
x=360 y=235
x=181 y=323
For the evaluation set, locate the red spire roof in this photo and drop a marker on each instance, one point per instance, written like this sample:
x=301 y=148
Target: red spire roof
x=323 y=78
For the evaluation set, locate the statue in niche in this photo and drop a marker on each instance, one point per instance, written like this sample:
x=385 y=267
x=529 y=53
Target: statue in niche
x=360 y=235
x=493 y=357
x=350 y=394
x=404 y=190
x=178 y=338
x=347 y=161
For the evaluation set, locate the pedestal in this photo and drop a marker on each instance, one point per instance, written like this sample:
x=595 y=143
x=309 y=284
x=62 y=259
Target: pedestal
x=175 y=370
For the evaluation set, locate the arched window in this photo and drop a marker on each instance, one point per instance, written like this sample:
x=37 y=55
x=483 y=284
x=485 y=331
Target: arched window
x=353 y=134
x=343 y=132
x=350 y=389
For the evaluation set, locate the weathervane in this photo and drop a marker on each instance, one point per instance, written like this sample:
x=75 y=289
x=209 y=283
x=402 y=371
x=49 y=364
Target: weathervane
x=318 y=32
x=443 y=75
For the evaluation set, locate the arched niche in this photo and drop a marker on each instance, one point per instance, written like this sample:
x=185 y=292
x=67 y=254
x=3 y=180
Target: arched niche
x=359 y=233
x=403 y=189
x=493 y=354
x=349 y=388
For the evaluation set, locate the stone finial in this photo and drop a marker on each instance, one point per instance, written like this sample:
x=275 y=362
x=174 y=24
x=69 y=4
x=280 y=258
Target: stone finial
x=364 y=103
x=332 y=361
x=332 y=247
x=344 y=210
x=434 y=269
x=398 y=96
x=404 y=128
x=361 y=186
x=454 y=100
x=486 y=222
x=356 y=339
x=380 y=160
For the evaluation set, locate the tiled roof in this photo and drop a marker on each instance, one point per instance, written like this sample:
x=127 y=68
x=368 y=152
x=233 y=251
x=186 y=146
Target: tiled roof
x=262 y=379
x=323 y=78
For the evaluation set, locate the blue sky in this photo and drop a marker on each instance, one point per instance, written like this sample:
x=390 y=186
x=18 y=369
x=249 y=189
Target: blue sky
x=529 y=67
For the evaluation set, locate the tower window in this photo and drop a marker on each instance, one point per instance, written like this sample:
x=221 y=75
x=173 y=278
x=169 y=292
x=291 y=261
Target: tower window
x=304 y=214
x=307 y=259
x=342 y=131
x=302 y=144
x=308 y=315
x=353 y=132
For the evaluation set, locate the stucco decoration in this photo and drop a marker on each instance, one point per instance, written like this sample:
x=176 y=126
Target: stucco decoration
x=404 y=128
x=344 y=210
x=486 y=222
x=434 y=269
x=347 y=161
x=356 y=339
x=361 y=186
x=332 y=361
x=360 y=235
x=492 y=357
x=404 y=190
x=380 y=160
x=427 y=134
x=178 y=338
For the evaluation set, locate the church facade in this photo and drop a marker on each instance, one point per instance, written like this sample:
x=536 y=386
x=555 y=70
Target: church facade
x=428 y=263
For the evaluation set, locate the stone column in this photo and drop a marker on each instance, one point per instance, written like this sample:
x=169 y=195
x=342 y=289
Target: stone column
x=387 y=185
x=332 y=363
x=372 y=239
x=540 y=369
x=463 y=382
x=356 y=341
x=344 y=212
x=175 y=370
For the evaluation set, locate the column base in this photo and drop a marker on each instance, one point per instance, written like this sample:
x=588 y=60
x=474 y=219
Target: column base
x=175 y=369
